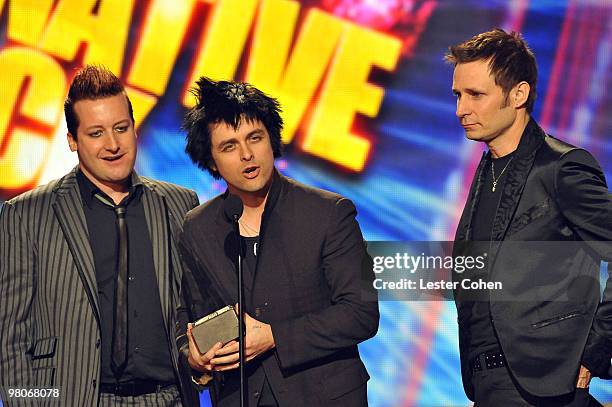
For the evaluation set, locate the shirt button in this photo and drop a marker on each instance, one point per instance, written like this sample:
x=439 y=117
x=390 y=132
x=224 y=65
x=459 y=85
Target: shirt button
x=256 y=394
x=94 y=382
x=131 y=278
x=98 y=343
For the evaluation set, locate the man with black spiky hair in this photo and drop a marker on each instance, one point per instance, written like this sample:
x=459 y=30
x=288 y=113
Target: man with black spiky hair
x=309 y=298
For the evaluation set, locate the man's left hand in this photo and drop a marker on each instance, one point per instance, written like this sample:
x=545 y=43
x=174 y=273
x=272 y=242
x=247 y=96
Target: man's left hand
x=258 y=340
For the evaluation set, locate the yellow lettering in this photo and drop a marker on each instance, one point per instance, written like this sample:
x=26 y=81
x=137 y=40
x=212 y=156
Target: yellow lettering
x=27 y=19
x=42 y=101
x=164 y=28
x=293 y=80
x=223 y=42
x=346 y=92
x=105 y=33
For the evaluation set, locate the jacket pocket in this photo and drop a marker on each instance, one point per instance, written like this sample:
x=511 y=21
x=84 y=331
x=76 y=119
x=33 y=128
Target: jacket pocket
x=44 y=376
x=44 y=348
x=557 y=319
x=531 y=214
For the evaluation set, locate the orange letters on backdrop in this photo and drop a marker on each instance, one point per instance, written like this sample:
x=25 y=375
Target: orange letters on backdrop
x=319 y=70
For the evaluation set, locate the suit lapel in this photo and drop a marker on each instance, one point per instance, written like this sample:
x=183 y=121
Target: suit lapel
x=518 y=171
x=269 y=222
x=68 y=209
x=157 y=222
x=224 y=241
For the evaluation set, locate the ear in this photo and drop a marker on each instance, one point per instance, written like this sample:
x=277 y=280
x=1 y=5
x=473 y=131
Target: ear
x=520 y=94
x=72 y=143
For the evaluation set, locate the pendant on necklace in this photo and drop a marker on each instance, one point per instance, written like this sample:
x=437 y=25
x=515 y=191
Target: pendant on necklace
x=494 y=185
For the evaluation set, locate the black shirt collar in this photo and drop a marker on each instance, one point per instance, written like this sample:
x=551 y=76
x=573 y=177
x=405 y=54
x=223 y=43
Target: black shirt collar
x=88 y=189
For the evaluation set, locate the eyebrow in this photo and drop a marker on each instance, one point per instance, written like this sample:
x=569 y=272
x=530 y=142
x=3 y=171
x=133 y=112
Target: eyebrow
x=256 y=131
x=468 y=90
x=99 y=126
x=235 y=139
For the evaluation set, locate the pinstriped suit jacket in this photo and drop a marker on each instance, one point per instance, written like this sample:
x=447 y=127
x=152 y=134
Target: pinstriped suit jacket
x=49 y=322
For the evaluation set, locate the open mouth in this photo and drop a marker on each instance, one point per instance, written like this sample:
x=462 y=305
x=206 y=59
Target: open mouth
x=251 y=171
x=113 y=157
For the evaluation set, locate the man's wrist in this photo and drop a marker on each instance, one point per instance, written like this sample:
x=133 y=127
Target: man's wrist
x=272 y=342
x=202 y=380
x=584 y=378
x=195 y=367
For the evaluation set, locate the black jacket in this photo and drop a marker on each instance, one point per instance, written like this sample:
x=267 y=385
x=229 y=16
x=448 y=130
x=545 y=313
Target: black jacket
x=313 y=284
x=552 y=228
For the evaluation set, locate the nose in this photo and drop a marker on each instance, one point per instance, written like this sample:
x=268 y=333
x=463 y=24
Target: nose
x=112 y=144
x=462 y=108
x=246 y=154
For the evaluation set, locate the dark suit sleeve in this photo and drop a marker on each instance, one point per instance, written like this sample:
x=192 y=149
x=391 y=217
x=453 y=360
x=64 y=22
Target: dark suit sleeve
x=586 y=203
x=193 y=303
x=353 y=314
x=184 y=315
x=182 y=311
x=17 y=268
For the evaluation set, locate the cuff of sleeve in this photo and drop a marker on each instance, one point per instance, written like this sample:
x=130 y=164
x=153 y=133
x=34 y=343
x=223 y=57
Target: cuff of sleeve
x=184 y=350
x=597 y=356
x=287 y=352
x=200 y=379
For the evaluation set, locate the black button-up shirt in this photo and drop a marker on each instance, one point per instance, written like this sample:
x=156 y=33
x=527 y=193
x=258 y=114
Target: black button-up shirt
x=148 y=355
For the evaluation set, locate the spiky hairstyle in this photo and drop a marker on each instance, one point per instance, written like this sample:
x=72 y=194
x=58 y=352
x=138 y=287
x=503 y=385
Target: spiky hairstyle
x=230 y=103
x=510 y=59
x=92 y=82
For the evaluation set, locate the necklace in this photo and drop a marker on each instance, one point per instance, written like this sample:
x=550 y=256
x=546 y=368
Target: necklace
x=496 y=180
x=249 y=229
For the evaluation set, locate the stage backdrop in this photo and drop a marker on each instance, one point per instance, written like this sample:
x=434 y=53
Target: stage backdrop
x=367 y=104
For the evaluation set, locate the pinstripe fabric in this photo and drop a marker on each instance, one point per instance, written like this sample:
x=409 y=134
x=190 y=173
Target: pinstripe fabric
x=49 y=324
x=165 y=398
x=161 y=202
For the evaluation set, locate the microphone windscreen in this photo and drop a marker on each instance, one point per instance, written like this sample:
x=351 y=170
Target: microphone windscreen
x=232 y=206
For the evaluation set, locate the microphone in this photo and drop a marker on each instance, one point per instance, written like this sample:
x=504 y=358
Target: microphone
x=233 y=207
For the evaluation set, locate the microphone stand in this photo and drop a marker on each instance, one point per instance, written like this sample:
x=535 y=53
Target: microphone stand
x=243 y=399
